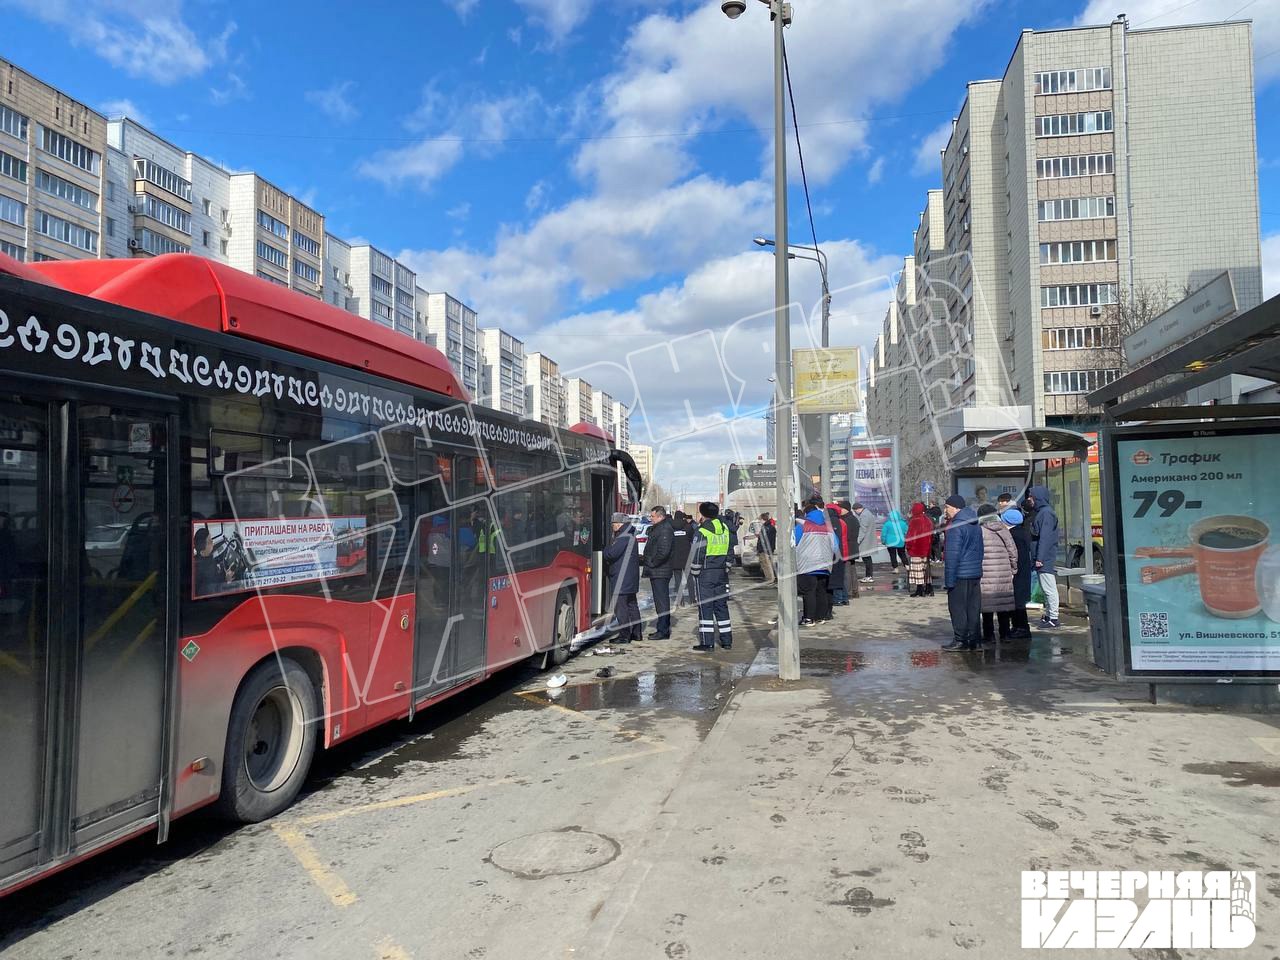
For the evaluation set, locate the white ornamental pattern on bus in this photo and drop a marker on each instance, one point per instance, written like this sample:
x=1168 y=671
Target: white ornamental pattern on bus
x=94 y=347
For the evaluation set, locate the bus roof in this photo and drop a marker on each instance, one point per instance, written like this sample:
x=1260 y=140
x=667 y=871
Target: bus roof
x=214 y=296
x=591 y=430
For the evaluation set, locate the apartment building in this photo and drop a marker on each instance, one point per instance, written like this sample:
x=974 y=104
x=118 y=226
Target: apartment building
x=382 y=289
x=602 y=409
x=622 y=425
x=770 y=446
x=578 y=407
x=275 y=236
x=544 y=390
x=162 y=199
x=502 y=371
x=643 y=457
x=450 y=327
x=1106 y=160
x=52 y=171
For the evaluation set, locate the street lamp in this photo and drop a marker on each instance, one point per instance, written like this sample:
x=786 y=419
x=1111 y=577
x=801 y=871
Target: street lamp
x=820 y=259
x=788 y=621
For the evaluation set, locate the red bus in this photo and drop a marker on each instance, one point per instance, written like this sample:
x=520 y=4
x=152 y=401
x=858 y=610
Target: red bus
x=236 y=525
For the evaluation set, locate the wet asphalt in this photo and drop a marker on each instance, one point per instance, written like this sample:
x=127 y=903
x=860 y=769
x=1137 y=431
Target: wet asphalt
x=514 y=819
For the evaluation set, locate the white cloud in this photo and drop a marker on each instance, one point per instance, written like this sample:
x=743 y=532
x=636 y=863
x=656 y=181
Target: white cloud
x=125 y=108
x=233 y=89
x=335 y=101
x=148 y=40
x=462 y=124
x=558 y=18
x=1162 y=13
x=459 y=211
x=1271 y=265
x=876 y=173
x=928 y=150
x=462 y=8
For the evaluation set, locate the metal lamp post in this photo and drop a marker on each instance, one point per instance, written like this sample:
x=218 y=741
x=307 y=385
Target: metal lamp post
x=820 y=259
x=788 y=621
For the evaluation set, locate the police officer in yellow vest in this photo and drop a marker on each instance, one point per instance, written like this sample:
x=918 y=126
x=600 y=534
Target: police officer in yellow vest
x=709 y=565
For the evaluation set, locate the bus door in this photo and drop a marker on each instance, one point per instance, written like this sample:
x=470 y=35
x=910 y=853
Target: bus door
x=454 y=539
x=603 y=504
x=86 y=614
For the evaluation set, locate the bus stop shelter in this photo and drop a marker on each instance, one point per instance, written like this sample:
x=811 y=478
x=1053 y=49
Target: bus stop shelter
x=1015 y=460
x=1191 y=514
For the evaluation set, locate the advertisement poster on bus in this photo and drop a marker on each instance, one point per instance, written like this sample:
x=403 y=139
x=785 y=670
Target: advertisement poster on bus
x=873 y=475
x=233 y=556
x=1201 y=570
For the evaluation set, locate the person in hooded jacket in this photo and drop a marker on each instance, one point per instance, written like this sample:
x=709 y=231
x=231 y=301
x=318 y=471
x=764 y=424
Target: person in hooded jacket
x=816 y=551
x=1044 y=551
x=1020 y=530
x=867 y=540
x=919 y=546
x=962 y=573
x=622 y=560
x=681 y=542
x=893 y=534
x=999 y=566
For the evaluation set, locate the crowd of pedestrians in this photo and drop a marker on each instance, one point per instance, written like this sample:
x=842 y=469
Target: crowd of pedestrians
x=990 y=554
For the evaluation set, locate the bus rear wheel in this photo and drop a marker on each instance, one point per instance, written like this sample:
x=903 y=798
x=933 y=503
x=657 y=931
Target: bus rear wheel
x=270 y=741
x=565 y=626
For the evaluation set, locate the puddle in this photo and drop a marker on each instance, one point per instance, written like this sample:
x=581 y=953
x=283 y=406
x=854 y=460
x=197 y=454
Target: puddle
x=1239 y=773
x=690 y=691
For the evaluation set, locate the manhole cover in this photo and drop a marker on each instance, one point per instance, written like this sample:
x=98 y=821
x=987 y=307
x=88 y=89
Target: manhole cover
x=554 y=853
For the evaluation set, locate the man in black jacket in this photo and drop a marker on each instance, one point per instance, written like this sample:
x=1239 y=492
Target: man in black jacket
x=659 y=552
x=682 y=541
x=622 y=560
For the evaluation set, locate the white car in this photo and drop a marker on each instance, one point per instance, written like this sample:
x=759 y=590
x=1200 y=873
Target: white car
x=642 y=533
x=749 y=543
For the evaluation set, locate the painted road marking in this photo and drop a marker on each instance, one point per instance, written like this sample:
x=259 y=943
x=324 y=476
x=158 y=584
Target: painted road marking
x=1269 y=744
x=330 y=883
x=388 y=949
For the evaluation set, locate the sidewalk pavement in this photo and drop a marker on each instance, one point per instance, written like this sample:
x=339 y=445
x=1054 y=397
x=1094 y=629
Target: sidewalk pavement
x=885 y=805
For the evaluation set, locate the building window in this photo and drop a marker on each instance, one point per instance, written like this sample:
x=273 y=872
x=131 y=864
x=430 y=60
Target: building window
x=380 y=286
x=13 y=168
x=1087 y=165
x=382 y=313
x=270 y=223
x=306 y=244
x=70 y=151
x=13 y=250
x=206 y=206
x=39 y=257
x=273 y=255
x=1075 y=208
x=1078 y=295
x=13 y=123
x=1073 y=81
x=156 y=243
x=262 y=275
x=306 y=271
x=1070 y=124
x=1078 y=338
x=12 y=211
x=1078 y=251
x=110 y=227
x=162 y=177
x=165 y=213
x=64 y=231
x=65 y=190
x=1078 y=381
x=222 y=247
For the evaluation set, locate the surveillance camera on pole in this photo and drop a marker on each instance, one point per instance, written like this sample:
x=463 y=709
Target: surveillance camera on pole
x=733 y=9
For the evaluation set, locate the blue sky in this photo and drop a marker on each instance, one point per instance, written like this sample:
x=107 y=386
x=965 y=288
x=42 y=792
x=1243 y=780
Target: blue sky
x=589 y=173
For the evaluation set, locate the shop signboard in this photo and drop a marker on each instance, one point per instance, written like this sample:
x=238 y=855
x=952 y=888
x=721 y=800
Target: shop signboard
x=1198 y=553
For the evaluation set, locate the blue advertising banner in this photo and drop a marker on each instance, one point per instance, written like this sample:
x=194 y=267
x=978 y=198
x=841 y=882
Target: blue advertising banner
x=1201 y=573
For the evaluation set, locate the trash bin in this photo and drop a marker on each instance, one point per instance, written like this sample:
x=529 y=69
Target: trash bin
x=1095 y=604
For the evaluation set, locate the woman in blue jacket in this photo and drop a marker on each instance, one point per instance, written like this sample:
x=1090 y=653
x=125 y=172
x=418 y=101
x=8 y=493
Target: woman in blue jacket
x=894 y=536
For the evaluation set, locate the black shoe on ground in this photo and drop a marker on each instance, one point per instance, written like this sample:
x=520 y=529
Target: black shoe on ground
x=659 y=636
x=726 y=646
x=954 y=646
x=806 y=622
x=702 y=647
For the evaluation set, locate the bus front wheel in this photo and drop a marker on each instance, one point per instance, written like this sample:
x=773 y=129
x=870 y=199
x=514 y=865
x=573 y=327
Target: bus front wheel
x=270 y=741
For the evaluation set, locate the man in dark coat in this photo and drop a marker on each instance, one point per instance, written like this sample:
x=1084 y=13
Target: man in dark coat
x=681 y=542
x=963 y=575
x=659 y=552
x=622 y=560
x=1021 y=532
x=1044 y=551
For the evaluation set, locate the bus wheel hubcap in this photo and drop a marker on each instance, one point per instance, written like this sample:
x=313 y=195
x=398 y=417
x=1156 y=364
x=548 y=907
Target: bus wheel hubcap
x=273 y=741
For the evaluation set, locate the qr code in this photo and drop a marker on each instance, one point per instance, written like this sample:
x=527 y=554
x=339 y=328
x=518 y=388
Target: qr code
x=1155 y=626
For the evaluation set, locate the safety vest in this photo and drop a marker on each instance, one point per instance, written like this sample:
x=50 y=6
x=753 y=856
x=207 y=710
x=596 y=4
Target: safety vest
x=717 y=539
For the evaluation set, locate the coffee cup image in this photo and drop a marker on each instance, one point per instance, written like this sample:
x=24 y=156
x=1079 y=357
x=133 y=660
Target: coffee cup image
x=1224 y=553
